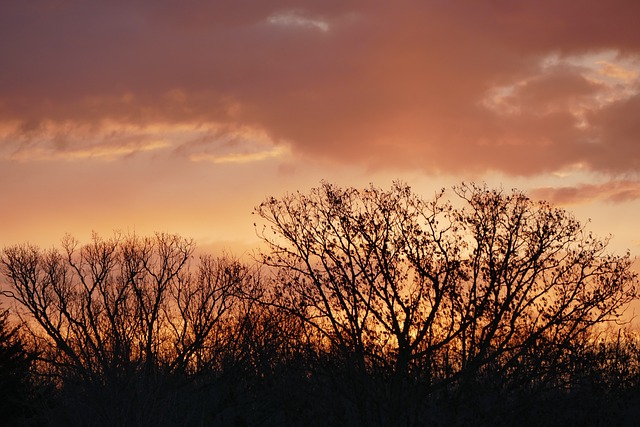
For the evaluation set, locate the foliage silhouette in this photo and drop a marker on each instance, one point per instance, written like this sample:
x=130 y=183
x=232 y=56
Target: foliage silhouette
x=17 y=405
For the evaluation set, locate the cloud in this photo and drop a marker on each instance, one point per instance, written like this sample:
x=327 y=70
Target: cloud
x=240 y=157
x=618 y=72
x=522 y=88
x=241 y=146
x=617 y=191
x=50 y=140
x=110 y=151
x=215 y=143
x=294 y=19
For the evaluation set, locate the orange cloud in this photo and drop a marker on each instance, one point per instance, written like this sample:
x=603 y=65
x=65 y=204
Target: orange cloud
x=522 y=88
x=612 y=191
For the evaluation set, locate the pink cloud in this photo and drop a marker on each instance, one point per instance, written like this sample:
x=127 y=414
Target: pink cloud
x=402 y=84
x=612 y=191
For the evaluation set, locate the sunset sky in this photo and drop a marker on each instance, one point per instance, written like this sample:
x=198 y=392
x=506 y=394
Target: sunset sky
x=181 y=116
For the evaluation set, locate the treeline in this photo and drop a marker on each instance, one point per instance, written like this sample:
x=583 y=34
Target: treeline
x=366 y=307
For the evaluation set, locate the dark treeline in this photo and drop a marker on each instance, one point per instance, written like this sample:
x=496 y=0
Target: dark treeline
x=365 y=308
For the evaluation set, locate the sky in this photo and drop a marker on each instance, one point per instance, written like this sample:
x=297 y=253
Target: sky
x=182 y=116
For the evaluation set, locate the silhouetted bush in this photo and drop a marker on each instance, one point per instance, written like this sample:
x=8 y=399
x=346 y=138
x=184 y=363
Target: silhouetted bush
x=18 y=391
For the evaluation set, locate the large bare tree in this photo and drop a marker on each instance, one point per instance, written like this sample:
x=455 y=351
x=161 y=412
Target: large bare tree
x=446 y=289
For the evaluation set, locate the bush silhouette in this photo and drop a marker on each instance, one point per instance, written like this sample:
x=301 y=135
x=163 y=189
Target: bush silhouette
x=17 y=404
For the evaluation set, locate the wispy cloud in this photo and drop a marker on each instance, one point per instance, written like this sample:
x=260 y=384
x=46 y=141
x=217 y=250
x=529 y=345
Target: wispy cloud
x=616 y=191
x=578 y=85
x=294 y=19
x=234 y=146
x=106 y=151
x=241 y=157
x=72 y=141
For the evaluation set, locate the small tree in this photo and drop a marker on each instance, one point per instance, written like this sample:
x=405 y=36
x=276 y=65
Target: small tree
x=16 y=386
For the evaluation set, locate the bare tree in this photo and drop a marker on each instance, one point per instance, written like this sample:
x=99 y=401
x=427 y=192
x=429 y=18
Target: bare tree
x=394 y=281
x=535 y=282
x=208 y=310
x=361 y=269
x=124 y=303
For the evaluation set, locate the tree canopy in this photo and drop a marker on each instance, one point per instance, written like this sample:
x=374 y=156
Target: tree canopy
x=446 y=288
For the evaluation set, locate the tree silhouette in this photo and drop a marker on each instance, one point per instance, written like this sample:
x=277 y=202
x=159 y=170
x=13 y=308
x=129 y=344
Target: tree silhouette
x=16 y=388
x=121 y=317
x=367 y=307
x=498 y=286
